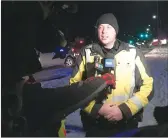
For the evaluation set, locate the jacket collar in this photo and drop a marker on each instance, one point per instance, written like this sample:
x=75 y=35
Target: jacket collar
x=118 y=46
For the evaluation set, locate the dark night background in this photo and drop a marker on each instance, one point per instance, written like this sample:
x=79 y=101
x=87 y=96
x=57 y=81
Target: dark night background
x=132 y=16
x=23 y=27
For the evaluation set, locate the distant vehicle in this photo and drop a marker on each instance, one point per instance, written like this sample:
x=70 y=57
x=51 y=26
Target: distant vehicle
x=163 y=41
x=72 y=55
x=49 y=59
x=157 y=42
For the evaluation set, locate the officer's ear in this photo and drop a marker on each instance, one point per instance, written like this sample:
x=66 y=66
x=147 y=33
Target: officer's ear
x=96 y=27
x=96 y=32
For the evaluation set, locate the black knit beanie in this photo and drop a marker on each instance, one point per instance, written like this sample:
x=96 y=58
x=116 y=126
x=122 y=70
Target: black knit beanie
x=108 y=18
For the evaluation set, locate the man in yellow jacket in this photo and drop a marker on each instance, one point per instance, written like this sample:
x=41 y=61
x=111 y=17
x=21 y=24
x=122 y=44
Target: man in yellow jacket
x=123 y=107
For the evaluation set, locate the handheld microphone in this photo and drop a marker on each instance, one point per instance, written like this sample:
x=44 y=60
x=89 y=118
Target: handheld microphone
x=96 y=59
x=97 y=65
x=108 y=65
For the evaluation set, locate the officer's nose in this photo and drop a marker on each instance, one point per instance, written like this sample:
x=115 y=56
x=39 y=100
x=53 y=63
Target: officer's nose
x=104 y=30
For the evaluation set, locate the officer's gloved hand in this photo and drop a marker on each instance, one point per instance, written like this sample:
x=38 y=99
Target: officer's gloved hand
x=109 y=79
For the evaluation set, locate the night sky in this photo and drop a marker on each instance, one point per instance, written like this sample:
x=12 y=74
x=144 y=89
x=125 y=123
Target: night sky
x=133 y=16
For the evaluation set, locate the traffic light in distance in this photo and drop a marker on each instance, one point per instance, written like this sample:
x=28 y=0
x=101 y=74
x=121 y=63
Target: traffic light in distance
x=141 y=35
x=146 y=35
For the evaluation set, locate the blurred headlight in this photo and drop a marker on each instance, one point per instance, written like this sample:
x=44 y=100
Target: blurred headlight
x=76 y=54
x=61 y=50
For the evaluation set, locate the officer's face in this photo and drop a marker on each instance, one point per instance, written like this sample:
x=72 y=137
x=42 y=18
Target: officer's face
x=106 y=34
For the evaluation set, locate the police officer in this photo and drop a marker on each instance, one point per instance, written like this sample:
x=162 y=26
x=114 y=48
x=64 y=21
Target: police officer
x=122 y=108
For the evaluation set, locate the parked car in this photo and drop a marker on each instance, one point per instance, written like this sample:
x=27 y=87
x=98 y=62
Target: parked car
x=73 y=53
x=155 y=42
x=71 y=57
x=49 y=59
x=159 y=42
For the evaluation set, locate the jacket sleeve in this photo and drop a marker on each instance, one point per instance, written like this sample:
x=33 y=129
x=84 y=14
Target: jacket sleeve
x=141 y=98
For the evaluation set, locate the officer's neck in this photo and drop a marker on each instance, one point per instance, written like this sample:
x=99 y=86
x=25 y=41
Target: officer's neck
x=110 y=45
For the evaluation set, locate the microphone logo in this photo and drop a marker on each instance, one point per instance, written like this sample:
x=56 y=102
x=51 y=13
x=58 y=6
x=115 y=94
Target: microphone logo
x=109 y=63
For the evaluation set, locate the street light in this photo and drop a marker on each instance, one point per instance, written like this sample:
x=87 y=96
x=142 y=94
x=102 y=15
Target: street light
x=149 y=25
x=147 y=29
x=154 y=16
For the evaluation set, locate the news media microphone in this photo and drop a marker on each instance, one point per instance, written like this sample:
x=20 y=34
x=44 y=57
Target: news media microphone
x=96 y=59
x=97 y=65
x=108 y=65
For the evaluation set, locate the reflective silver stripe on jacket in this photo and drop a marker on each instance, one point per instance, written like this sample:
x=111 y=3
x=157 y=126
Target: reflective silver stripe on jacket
x=121 y=98
x=88 y=52
x=137 y=102
x=133 y=51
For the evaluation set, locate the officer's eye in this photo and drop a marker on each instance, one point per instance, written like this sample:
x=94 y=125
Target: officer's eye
x=100 y=27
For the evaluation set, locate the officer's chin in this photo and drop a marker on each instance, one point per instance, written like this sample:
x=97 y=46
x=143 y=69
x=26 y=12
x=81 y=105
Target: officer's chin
x=104 y=42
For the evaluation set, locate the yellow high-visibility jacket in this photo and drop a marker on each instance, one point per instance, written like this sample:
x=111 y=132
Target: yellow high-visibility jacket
x=62 y=130
x=134 y=84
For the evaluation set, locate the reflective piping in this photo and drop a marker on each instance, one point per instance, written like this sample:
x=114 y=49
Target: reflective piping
x=132 y=85
x=137 y=102
x=88 y=52
x=120 y=98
